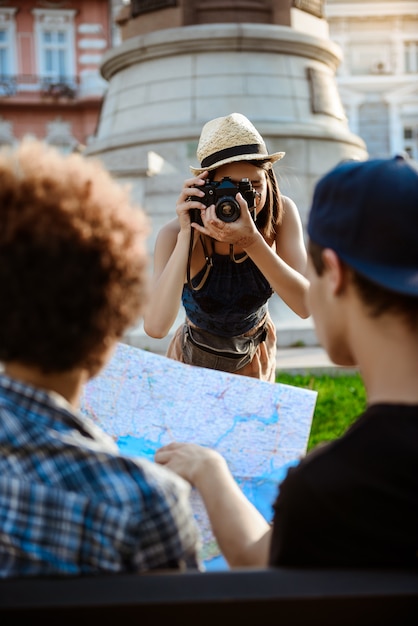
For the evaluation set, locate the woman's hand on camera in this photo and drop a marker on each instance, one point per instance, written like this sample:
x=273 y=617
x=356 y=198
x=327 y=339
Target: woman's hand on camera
x=242 y=232
x=191 y=188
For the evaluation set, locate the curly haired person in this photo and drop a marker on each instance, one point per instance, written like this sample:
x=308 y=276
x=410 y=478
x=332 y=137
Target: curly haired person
x=73 y=266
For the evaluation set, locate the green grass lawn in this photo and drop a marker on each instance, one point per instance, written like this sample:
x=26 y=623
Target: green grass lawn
x=341 y=398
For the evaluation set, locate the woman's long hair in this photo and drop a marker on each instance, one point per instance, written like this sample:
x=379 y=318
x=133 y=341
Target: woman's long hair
x=271 y=215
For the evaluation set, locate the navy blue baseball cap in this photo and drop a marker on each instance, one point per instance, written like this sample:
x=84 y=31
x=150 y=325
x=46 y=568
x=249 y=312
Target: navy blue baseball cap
x=367 y=212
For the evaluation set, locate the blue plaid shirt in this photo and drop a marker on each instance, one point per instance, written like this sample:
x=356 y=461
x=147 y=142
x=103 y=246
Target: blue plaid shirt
x=71 y=503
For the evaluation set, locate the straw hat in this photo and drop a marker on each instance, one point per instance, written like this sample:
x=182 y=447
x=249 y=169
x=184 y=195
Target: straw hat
x=228 y=139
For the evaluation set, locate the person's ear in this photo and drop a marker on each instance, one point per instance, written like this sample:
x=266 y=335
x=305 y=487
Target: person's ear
x=335 y=269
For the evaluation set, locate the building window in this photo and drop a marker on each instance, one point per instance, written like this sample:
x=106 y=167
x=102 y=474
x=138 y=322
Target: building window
x=54 y=54
x=408 y=133
x=7 y=52
x=4 y=53
x=411 y=57
x=54 y=40
x=6 y=133
x=410 y=141
x=59 y=134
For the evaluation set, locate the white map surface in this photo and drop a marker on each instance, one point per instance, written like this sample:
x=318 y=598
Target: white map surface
x=144 y=401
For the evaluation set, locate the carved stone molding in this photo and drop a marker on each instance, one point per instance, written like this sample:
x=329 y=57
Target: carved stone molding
x=145 y=6
x=325 y=97
x=218 y=38
x=314 y=7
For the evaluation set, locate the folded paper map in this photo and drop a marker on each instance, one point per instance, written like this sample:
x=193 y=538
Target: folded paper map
x=144 y=401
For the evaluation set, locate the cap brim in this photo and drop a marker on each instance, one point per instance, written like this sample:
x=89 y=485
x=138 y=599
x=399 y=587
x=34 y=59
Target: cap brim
x=402 y=280
x=276 y=156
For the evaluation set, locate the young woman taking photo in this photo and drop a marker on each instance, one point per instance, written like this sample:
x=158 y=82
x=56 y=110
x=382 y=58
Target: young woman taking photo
x=235 y=241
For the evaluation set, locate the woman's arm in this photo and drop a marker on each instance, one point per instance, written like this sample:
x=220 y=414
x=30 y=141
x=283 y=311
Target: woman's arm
x=284 y=268
x=242 y=533
x=170 y=262
x=170 y=259
x=290 y=244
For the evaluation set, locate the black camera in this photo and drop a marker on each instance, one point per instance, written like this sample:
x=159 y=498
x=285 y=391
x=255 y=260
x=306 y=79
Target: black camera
x=222 y=195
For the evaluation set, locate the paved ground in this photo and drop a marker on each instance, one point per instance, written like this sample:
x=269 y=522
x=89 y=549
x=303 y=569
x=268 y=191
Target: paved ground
x=307 y=359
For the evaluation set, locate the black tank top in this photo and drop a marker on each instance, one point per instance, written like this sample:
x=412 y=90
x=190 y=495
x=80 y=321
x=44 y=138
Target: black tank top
x=232 y=300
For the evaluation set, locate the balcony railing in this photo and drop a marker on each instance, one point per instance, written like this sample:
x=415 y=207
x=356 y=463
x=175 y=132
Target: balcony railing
x=47 y=86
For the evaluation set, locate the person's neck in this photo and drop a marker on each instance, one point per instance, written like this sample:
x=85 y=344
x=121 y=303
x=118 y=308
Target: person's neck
x=387 y=354
x=67 y=384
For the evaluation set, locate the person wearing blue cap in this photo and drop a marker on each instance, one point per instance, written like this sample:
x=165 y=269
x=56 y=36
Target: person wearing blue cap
x=352 y=501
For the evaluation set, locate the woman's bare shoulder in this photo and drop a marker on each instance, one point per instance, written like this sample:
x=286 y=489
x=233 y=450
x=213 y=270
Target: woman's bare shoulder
x=170 y=230
x=172 y=226
x=289 y=205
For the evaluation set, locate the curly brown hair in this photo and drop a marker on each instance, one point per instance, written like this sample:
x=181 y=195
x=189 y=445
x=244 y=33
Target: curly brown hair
x=73 y=260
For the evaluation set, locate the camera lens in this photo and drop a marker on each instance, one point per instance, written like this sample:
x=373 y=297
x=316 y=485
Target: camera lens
x=227 y=209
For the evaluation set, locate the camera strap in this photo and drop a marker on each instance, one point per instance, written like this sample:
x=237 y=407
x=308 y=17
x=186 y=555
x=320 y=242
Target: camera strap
x=232 y=255
x=208 y=260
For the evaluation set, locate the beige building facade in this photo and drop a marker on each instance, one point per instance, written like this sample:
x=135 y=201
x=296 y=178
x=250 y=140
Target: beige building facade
x=378 y=75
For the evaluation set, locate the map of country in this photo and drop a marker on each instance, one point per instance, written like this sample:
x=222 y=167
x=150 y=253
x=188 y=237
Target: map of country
x=144 y=401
